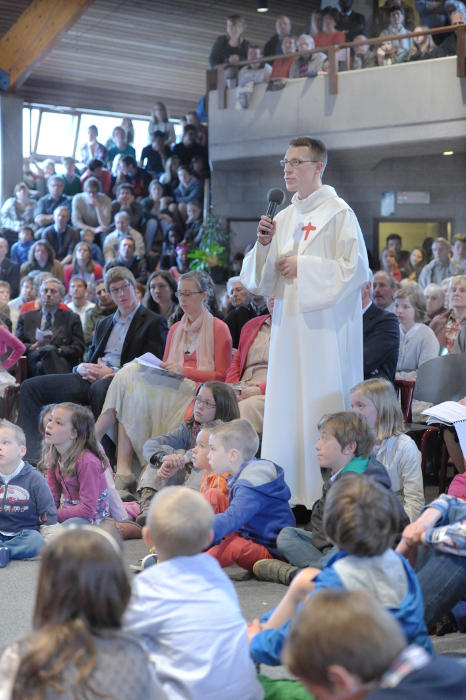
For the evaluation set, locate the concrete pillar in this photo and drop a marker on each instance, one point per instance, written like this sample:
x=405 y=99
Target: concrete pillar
x=11 y=144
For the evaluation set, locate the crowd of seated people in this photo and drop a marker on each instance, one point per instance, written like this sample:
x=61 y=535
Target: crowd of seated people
x=331 y=26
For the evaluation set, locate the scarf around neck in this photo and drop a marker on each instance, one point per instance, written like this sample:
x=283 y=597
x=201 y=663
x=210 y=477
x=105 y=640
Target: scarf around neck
x=204 y=325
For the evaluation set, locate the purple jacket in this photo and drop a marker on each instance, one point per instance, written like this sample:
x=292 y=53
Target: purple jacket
x=83 y=492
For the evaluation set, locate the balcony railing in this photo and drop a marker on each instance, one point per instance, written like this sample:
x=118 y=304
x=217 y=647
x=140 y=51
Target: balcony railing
x=217 y=77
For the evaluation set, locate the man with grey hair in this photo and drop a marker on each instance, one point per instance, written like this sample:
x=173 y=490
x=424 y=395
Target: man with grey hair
x=441 y=267
x=383 y=290
x=381 y=337
x=119 y=338
x=122 y=230
x=308 y=65
x=448 y=47
x=53 y=337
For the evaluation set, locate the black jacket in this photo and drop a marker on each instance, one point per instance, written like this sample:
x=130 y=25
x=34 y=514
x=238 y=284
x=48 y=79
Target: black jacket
x=381 y=337
x=353 y=25
x=66 y=329
x=137 y=267
x=63 y=244
x=375 y=469
x=147 y=333
x=237 y=318
x=9 y=272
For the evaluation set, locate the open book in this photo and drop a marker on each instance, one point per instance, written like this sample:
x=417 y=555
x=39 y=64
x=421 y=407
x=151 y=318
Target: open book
x=448 y=413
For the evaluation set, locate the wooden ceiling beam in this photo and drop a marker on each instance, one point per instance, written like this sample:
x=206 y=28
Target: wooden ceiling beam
x=35 y=34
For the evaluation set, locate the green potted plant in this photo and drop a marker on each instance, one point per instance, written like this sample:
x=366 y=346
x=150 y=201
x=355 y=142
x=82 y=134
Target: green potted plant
x=213 y=252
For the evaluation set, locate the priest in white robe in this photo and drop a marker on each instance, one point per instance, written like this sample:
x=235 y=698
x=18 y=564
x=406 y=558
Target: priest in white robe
x=312 y=258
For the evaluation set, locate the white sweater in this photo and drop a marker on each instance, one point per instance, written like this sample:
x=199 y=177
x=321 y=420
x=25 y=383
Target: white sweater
x=400 y=455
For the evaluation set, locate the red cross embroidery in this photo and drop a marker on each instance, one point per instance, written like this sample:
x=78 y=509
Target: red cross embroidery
x=308 y=230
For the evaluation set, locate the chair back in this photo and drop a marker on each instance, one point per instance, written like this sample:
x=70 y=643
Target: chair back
x=441 y=379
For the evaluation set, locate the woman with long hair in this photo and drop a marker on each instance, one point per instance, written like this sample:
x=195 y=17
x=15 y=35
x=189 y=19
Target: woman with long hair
x=389 y=263
x=82 y=265
x=423 y=46
x=159 y=121
x=77 y=648
x=198 y=349
x=161 y=294
x=41 y=258
x=18 y=211
x=417 y=261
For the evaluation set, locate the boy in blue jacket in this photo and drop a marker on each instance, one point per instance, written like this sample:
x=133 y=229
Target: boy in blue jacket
x=28 y=516
x=247 y=523
x=361 y=519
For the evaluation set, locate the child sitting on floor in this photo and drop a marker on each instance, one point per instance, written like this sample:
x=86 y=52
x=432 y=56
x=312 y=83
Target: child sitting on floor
x=186 y=609
x=345 y=645
x=345 y=445
x=166 y=466
x=362 y=520
x=28 y=515
x=247 y=524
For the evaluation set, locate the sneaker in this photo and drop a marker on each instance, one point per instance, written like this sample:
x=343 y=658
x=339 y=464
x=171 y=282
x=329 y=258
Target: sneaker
x=273 y=570
x=144 y=563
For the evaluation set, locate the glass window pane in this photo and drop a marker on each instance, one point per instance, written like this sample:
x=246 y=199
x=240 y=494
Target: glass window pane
x=34 y=125
x=105 y=126
x=56 y=137
x=26 y=132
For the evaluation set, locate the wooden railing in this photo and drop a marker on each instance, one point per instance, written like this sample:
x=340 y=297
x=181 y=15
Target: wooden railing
x=217 y=77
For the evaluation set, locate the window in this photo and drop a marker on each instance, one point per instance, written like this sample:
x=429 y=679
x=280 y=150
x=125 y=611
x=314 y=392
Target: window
x=57 y=133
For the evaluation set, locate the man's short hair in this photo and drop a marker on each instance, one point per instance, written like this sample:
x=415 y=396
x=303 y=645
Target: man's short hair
x=443 y=241
x=347 y=427
x=93 y=126
x=184 y=167
x=179 y=521
x=251 y=46
x=239 y=435
x=391 y=279
x=128 y=160
x=76 y=278
x=60 y=207
x=65 y=158
x=118 y=128
x=348 y=629
x=361 y=516
x=3 y=283
x=4 y=240
x=40 y=277
x=195 y=203
x=120 y=214
x=19 y=436
x=94 y=164
x=128 y=238
x=125 y=186
x=397 y=8
x=118 y=274
x=417 y=299
x=394 y=236
x=56 y=281
x=92 y=184
x=189 y=127
x=57 y=178
x=158 y=135
x=316 y=147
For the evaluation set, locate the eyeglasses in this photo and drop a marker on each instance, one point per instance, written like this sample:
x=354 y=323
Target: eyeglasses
x=120 y=290
x=295 y=163
x=201 y=402
x=186 y=295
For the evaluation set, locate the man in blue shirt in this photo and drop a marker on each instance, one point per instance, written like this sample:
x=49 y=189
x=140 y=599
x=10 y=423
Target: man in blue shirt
x=43 y=216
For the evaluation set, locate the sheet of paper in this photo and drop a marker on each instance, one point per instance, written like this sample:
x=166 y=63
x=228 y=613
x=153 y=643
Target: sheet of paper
x=43 y=335
x=450 y=411
x=149 y=360
x=461 y=432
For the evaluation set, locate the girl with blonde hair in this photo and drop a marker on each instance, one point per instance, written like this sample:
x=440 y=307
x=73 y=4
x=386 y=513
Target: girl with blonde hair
x=376 y=399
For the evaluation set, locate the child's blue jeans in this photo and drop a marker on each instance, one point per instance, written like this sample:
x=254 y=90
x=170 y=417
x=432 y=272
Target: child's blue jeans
x=24 y=545
x=297 y=547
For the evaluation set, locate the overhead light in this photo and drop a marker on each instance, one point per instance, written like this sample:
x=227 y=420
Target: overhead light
x=448 y=153
x=262 y=6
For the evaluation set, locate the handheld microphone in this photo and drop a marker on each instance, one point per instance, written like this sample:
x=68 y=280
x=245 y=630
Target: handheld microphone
x=275 y=198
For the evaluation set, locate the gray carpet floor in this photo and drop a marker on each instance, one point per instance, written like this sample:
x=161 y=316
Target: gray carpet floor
x=19 y=579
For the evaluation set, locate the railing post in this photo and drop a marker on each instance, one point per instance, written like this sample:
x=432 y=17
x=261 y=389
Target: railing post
x=332 y=70
x=211 y=84
x=221 y=87
x=460 y=51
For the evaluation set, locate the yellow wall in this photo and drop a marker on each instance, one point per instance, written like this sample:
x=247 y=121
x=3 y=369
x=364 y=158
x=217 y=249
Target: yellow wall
x=413 y=233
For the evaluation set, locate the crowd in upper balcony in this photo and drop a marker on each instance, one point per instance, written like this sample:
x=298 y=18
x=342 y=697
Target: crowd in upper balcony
x=333 y=26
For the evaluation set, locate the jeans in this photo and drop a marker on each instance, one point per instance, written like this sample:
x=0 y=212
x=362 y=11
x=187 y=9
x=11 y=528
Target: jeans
x=57 y=388
x=442 y=578
x=76 y=521
x=297 y=548
x=24 y=545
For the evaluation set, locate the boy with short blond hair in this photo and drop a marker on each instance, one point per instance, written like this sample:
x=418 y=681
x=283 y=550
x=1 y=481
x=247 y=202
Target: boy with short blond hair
x=186 y=609
x=345 y=445
x=28 y=516
x=247 y=523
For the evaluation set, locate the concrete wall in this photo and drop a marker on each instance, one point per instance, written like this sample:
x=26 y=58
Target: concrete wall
x=11 y=143
x=242 y=193
x=391 y=105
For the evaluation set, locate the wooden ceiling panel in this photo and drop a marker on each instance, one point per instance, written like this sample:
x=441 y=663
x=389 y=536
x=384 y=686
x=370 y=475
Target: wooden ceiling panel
x=122 y=55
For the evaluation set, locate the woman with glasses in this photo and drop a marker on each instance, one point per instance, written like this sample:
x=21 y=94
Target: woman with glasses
x=198 y=348
x=215 y=401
